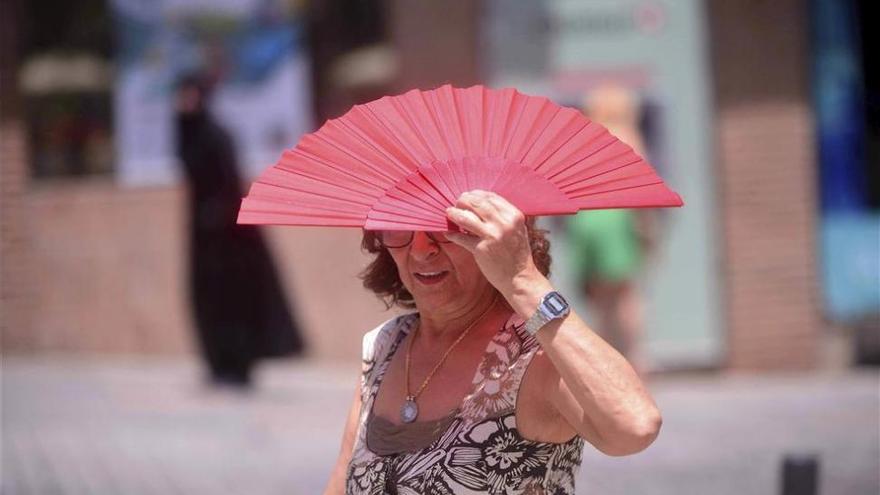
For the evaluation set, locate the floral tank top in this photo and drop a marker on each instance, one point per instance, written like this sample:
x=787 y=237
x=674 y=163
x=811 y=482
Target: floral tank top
x=477 y=449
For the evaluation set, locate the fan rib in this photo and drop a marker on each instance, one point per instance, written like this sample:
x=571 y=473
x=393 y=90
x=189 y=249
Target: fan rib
x=385 y=214
x=267 y=193
x=588 y=137
x=449 y=178
x=512 y=132
x=390 y=201
x=401 y=167
x=437 y=203
x=450 y=123
x=432 y=177
x=417 y=130
x=401 y=191
x=540 y=133
x=369 y=113
x=437 y=141
x=602 y=187
x=310 y=174
x=334 y=165
x=251 y=218
x=576 y=179
x=619 y=203
x=562 y=145
x=295 y=175
x=269 y=206
x=446 y=196
x=430 y=98
x=581 y=160
x=359 y=138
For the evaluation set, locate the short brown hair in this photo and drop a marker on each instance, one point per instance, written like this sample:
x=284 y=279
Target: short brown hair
x=381 y=276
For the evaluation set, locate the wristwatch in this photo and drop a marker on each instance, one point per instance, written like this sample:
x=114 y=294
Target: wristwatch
x=552 y=307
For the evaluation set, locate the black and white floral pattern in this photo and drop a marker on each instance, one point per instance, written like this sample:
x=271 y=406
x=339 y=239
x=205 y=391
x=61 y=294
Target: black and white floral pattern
x=481 y=451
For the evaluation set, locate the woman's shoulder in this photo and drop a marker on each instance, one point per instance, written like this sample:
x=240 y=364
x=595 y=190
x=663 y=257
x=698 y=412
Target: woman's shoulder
x=377 y=341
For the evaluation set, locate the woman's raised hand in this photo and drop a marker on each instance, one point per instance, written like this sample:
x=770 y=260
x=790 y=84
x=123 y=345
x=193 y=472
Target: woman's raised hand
x=497 y=237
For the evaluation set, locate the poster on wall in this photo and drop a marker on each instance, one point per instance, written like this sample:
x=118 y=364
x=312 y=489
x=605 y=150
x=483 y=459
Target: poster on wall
x=636 y=66
x=255 y=49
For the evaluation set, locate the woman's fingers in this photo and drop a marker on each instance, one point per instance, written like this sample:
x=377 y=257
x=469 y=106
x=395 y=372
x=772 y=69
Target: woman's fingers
x=467 y=220
x=497 y=214
x=466 y=241
x=481 y=203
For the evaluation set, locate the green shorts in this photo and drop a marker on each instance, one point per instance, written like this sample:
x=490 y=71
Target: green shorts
x=604 y=245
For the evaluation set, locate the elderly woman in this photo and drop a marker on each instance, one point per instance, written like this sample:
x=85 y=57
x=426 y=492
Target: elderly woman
x=492 y=385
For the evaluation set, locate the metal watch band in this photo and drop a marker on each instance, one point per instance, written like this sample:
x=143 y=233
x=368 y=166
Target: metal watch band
x=538 y=320
x=544 y=314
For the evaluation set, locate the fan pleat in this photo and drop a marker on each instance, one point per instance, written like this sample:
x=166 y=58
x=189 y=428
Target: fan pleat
x=257 y=205
x=631 y=180
x=329 y=177
x=403 y=132
x=505 y=102
x=399 y=162
x=284 y=193
x=612 y=157
x=559 y=132
x=637 y=197
x=380 y=138
x=320 y=171
x=394 y=201
x=383 y=212
x=425 y=123
x=506 y=174
x=416 y=186
x=437 y=182
x=514 y=117
x=283 y=178
x=247 y=216
x=343 y=159
x=450 y=120
x=537 y=114
x=472 y=118
x=456 y=184
x=577 y=152
x=355 y=149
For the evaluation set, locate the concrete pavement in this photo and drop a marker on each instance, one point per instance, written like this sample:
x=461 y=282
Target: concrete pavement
x=111 y=425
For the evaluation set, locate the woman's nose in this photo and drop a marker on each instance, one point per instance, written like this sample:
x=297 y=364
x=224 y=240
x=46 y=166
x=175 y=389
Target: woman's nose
x=423 y=246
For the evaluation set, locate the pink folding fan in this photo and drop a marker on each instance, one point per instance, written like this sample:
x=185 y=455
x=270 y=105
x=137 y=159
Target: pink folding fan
x=398 y=162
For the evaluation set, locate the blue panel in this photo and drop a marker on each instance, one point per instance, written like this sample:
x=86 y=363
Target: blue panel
x=851 y=265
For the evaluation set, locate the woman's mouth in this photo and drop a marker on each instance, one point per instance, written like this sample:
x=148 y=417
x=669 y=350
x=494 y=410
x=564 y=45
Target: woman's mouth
x=430 y=278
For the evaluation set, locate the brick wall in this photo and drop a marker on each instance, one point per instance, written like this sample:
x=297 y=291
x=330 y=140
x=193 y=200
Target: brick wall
x=15 y=300
x=766 y=175
x=109 y=275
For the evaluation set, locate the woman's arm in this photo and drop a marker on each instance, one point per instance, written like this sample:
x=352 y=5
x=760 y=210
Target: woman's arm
x=336 y=485
x=591 y=385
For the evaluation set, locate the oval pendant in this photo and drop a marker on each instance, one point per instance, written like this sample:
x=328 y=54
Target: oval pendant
x=409 y=411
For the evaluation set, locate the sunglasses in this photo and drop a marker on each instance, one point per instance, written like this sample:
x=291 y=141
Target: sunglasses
x=401 y=238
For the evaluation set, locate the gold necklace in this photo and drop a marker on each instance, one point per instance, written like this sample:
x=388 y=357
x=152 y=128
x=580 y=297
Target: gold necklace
x=409 y=411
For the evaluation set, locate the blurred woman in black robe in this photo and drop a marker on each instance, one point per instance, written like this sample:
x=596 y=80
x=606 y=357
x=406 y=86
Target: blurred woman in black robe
x=240 y=312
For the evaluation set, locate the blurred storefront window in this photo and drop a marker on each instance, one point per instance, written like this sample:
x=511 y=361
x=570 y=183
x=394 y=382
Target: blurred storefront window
x=66 y=80
x=254 y=51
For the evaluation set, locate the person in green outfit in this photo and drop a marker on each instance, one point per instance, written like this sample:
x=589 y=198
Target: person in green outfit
x=610 y=247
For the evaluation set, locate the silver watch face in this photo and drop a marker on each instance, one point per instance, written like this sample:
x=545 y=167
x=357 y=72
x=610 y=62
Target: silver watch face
x=555 y=305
